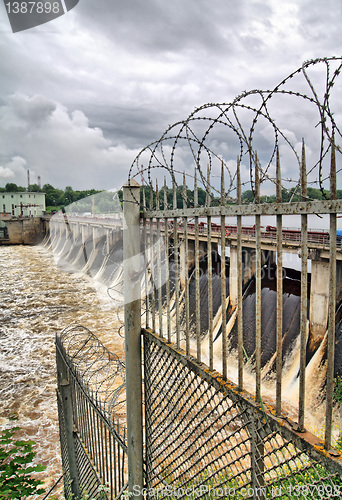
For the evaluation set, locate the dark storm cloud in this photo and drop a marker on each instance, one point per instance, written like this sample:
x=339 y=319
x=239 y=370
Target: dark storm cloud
x=33 y=110
x=108 y=78
x=131 y=126
x=158 y=26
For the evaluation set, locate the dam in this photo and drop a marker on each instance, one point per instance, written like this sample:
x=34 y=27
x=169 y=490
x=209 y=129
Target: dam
x=93 y=248
x=94 y=245
x=53 y=306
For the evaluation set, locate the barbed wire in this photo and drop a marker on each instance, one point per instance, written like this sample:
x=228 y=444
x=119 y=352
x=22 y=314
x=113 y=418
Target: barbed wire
x=197 y=142
x=100 y=372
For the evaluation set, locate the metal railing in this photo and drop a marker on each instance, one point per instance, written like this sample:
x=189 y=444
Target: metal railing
x=210 y=352
x=204 y=433
x=291 y=235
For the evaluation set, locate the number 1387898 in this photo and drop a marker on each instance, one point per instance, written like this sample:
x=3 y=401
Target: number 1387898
x=33 y=7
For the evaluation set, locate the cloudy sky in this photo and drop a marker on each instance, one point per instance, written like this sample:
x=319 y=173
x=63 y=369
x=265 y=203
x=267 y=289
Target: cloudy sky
x=81 y=95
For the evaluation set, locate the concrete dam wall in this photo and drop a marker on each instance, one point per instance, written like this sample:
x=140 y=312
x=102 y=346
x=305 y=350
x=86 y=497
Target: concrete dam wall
x=96 y=249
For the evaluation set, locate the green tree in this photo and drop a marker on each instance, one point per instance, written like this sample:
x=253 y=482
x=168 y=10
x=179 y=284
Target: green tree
x=247 y=196
x=34 y=188
x=69 y=194
x=50 y=195
x=11 y=187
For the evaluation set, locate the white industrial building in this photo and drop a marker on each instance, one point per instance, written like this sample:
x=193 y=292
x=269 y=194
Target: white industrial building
x=22 y=204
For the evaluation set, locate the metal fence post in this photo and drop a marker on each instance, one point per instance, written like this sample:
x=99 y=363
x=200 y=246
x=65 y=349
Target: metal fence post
x=132 y=300
x=65 y=391
x=66 y=398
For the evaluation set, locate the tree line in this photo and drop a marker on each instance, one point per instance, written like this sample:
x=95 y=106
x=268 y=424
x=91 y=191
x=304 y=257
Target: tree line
x=292 y=194
x=55 y=198
x=58 y=198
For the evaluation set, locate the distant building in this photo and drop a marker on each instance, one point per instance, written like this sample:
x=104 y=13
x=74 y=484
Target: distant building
x=22 y=204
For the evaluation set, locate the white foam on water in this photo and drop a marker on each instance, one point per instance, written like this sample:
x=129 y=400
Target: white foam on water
x=37 y=301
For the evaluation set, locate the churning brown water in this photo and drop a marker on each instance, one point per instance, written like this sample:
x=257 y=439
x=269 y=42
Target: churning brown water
x=37 y=301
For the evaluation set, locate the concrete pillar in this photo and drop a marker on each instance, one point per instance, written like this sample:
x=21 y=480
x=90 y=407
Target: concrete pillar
x=233 y=276
x=107 y=241
x=60 y=229
x=97 y=233
x=191 y=253
x=248 y=268
x=248 y=263
x=338 y=281
x=84 y=237
x=203 y=248
x=269 y=256
x=186 y=261
x=75 y=227
x=319 y=298
x=94 y=236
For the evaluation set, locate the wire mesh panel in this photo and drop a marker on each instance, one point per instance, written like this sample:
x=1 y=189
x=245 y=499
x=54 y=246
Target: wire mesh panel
x=88 y=477
x=205 y=439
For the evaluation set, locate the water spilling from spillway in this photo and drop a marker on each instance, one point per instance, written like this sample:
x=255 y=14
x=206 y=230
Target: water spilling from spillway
x=315 y=354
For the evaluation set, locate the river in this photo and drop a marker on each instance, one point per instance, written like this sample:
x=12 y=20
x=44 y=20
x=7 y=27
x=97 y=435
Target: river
x=38 y=300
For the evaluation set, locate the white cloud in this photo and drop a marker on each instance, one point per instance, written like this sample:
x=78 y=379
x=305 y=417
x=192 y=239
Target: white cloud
x=6 y=173
x=59 y=145
x=14 y=170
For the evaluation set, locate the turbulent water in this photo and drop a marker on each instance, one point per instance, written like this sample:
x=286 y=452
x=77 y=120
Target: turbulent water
x=37 y=301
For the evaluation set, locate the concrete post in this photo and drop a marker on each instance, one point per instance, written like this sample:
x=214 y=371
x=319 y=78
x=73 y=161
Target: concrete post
x=83 y=230
x=319 y=299
x=94 y=236
x=233 y=276
x=68 y=419
x=66 y=398
x=75 y=229
x=132 y=273
x=108 y=241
